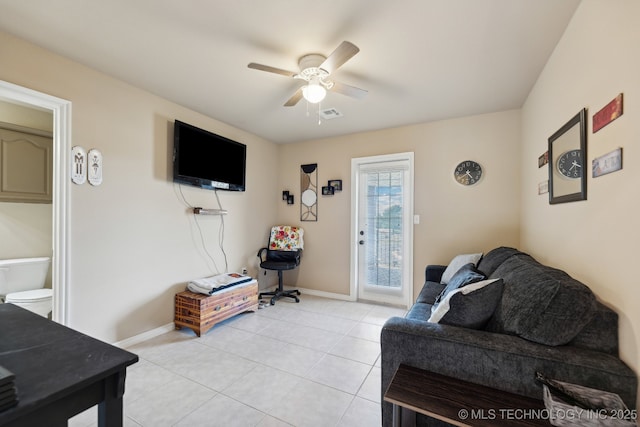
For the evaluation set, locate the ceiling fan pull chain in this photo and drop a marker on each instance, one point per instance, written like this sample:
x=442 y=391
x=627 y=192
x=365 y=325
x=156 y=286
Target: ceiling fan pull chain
x=319 y=116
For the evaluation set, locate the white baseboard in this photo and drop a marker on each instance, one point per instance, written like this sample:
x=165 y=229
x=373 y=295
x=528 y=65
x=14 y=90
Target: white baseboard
x=324 y=294
x=137 y=339
x=343 y=297
x=313 y=292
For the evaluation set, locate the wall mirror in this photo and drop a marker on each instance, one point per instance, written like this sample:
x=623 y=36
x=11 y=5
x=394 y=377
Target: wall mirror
x=568 y=161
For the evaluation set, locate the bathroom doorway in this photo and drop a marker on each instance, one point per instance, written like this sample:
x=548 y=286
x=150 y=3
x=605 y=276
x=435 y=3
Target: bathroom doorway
x=61 y=112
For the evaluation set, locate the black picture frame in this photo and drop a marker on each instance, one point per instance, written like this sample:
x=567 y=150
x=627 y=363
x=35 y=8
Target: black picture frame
x=290 y=199
x=336 y=184
x=328 y=190
x=568 y=153
x=285 y=195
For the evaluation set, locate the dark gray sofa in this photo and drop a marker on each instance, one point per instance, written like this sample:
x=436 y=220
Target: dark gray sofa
x=544 y=321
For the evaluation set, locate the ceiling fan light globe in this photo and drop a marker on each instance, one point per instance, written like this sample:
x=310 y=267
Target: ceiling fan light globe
x=313 y=93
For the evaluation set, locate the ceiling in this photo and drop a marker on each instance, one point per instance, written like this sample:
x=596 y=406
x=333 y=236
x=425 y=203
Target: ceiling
x=420 y=60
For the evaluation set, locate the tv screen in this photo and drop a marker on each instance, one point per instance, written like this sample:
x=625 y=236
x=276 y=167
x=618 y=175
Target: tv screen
x=206 y=160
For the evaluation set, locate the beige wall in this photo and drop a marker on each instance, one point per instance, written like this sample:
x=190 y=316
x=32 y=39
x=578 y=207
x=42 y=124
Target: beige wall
x=594 y=240
x=454 y=219
x=30 y=117
x=26 y=231
x=133 y=243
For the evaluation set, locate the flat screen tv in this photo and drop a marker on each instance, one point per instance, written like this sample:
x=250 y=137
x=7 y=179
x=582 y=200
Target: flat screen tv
x=206 y=160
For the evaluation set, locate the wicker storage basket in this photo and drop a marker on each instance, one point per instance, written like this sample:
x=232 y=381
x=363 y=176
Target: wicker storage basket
x=563 y=414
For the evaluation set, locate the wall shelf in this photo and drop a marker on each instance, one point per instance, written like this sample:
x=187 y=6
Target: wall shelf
x=204 y=211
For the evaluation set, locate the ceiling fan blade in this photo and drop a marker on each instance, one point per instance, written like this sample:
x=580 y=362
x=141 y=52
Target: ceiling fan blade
x=342 y=54
x=294 y=99
x=352 y=91
x=271 y=69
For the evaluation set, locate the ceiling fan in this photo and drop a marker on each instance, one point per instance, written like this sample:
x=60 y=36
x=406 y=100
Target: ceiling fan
x=316 y=70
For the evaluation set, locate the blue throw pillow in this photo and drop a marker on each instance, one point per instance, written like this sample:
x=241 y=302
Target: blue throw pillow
x=466 y=275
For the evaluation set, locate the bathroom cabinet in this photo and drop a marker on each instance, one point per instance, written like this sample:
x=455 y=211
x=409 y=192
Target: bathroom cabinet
x=26 y=165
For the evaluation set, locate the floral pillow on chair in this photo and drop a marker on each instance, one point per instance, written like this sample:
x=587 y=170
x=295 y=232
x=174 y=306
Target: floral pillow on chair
x=286 y=238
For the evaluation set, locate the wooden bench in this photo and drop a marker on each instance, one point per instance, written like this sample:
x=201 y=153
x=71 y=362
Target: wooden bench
x=201 y=312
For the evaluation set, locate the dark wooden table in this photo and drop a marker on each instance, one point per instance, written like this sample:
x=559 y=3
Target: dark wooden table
x=458 y=402
x=59 y=372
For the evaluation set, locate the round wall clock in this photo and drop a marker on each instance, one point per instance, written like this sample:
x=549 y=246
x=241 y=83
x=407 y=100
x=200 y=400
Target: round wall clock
x=467 y=172
x=569 y=164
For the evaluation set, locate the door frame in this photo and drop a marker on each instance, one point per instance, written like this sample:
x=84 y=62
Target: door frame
x=61 y=110
x=355 y=163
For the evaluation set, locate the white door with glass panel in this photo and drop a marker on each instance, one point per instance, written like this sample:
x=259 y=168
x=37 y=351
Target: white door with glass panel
x=382 y=228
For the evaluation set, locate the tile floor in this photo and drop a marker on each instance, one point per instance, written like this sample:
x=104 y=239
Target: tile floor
x=316 y=363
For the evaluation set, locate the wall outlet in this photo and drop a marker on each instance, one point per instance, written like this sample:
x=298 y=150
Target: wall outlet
x=244 y=270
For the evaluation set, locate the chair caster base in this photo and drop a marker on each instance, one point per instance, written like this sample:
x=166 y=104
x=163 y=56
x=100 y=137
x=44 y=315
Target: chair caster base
x=277 y=294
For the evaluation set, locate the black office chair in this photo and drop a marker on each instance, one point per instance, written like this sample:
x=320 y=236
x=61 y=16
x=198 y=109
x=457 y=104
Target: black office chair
x=283 y=253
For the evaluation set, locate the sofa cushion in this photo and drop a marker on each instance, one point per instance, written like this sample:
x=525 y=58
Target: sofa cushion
x=470 y=306
x=466 y=275
x=433 y=273
x=430 y=292
x=458 y=262
x=601 y=334
x=540 y=303
x=494 y=258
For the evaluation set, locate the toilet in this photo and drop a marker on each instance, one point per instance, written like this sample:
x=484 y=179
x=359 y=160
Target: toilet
x=22 y=283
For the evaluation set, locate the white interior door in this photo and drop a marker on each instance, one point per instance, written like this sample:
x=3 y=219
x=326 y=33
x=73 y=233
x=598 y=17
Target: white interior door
x=382 y=228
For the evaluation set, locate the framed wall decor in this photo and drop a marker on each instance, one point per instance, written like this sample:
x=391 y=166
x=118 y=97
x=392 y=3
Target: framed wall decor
x=543 y=159
x=336 y=184
x=309 y=192
x=607 y=114
x=607 y=163
x=567 y=160
x=543 y=187
x=328 y=190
